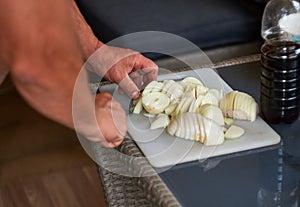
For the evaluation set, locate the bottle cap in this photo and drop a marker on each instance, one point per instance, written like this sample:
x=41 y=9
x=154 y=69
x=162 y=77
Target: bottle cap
x=281 y=21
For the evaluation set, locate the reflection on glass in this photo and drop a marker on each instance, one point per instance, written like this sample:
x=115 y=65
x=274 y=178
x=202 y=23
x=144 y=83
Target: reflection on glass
x=283 y=196
x=267 y=198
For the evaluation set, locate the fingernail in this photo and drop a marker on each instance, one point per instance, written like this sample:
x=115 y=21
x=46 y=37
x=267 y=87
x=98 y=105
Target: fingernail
x=135 y=94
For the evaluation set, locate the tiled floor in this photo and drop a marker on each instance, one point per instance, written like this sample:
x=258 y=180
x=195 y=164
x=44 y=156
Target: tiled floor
x=36 y=150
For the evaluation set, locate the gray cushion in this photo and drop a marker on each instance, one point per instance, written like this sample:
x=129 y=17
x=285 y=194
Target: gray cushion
x=207 y=23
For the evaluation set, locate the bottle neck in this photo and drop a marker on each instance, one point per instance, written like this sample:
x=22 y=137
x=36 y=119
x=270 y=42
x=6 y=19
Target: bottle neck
x=281 y=49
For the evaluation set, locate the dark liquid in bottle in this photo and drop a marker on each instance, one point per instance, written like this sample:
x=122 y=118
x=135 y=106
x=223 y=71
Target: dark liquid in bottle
x=280 y=80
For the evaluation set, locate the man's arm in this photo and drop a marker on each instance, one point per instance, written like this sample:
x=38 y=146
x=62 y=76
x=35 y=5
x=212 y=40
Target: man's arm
x=3 y=73
x=39 y=45
x=88 y=41
x=113 y=63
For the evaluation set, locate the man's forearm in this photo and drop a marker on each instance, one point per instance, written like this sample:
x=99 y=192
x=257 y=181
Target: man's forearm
x=89 y=42
x=38 y=43
x=3 y=73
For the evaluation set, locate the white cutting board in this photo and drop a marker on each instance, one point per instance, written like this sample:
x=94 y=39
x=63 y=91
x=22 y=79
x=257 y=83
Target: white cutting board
x=164 y=150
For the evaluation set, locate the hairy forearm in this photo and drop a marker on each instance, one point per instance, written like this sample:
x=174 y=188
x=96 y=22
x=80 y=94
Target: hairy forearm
x=3 y=73
x=89 y=42
x=39 y=45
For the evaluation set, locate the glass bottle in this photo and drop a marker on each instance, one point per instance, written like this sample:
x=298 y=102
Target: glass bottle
x=280 y=62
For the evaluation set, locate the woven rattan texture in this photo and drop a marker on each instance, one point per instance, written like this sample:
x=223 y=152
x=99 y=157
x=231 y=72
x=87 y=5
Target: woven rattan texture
x=224 y=63
x=140 y=190
x=122 y=191
x=143 y=188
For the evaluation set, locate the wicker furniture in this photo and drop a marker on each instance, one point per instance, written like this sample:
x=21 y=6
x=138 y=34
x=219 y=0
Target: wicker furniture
x=145 y=190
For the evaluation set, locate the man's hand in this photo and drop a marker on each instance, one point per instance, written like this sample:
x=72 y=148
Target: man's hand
x=45 y=58
x=129 y=69
x=141 y=71
x=111 y=119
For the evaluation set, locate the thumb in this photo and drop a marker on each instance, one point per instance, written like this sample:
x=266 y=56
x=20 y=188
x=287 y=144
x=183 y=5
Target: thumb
x=129 y=87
